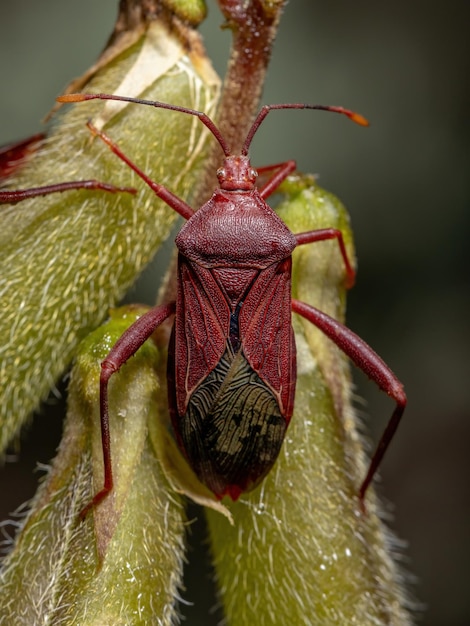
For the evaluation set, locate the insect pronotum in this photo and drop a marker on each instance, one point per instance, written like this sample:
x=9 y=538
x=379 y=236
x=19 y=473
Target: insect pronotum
x=232 y=360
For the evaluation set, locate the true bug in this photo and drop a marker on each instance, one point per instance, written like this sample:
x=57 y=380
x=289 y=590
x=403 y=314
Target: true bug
x=231 y=365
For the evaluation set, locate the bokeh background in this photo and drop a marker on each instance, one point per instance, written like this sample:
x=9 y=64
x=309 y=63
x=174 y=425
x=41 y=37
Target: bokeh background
x=405 y=180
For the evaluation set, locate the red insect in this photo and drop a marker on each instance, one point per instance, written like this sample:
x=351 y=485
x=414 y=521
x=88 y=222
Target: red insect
x=232 y=358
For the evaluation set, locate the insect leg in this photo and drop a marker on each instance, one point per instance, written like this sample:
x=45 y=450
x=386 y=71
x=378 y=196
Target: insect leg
x=11 y=197
x=371 y=364
x=284 y=169
x=173 y=201
x=324 y=234
x=14 y=155
x=125 y=347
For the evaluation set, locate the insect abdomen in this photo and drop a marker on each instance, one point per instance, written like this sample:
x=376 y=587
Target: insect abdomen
x=233 y=428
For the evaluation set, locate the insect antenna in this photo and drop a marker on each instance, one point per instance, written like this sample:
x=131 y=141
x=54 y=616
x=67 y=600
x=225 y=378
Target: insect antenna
x=355 y=117
x=205 y=119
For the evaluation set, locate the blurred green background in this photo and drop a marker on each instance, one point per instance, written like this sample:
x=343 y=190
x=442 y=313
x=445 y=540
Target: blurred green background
x=405 y=182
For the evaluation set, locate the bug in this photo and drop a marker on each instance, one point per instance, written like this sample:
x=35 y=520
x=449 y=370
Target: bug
x=232 y=356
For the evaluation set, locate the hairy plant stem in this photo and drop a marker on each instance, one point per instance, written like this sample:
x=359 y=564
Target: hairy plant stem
x=254 y=27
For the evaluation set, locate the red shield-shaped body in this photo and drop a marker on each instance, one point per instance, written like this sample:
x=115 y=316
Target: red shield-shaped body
x=232 y=360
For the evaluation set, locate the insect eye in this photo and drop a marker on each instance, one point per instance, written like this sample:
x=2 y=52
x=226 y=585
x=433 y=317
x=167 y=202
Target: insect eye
x=253 y=173
x=221 y=172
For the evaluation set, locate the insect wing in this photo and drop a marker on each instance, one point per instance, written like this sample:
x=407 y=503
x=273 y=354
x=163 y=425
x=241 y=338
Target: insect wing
x=202 y=326
x=267 y=335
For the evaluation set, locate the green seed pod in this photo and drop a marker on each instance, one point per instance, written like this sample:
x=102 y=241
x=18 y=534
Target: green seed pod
x=123 y=563
x=66 y=258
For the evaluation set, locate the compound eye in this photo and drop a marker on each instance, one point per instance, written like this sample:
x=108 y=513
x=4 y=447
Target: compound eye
x=221 y=173
x=253 y=173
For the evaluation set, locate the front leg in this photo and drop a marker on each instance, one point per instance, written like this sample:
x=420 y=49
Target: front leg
x=173 y=201
x=283 y=171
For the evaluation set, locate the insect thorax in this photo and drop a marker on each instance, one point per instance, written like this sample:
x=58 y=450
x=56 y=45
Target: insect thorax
x=235 y=229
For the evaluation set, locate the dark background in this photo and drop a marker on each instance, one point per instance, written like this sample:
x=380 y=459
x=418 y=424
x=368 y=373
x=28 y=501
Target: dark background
x=404 y=180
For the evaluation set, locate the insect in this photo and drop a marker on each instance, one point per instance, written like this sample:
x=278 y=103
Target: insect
x=232 y=356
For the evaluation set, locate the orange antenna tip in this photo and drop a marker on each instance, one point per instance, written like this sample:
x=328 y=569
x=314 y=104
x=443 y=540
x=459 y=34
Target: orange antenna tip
x=359 y=119
x=355 y=117
x=72 y=97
